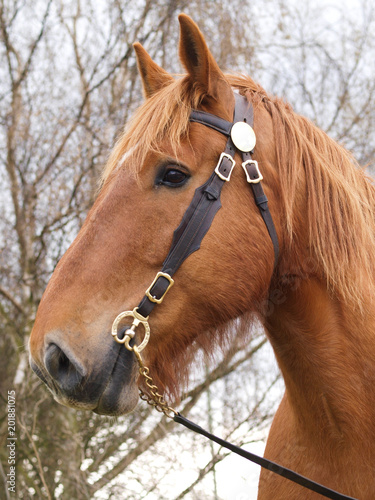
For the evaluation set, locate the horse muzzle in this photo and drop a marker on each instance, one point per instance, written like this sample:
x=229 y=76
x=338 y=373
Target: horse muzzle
x=107 y=387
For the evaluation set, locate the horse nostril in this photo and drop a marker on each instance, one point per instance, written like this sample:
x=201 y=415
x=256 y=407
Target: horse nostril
x=64 y=369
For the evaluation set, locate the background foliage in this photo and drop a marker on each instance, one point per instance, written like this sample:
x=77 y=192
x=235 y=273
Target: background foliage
x=68 y=83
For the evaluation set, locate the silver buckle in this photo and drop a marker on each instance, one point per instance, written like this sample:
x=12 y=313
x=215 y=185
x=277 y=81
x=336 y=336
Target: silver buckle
x=248 y=178
x=225 y=176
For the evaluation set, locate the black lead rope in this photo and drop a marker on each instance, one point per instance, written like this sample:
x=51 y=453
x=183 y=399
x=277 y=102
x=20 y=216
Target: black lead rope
x=264 y=462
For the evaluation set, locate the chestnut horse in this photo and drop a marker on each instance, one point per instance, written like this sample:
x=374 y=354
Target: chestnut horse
x=316 y=302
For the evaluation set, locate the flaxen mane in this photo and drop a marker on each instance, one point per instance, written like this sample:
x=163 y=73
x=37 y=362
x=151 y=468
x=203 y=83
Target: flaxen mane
x=340 y=197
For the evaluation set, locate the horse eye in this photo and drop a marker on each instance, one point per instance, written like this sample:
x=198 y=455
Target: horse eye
x=174 y=178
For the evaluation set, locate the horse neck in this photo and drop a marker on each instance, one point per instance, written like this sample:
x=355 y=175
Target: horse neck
x=326 y=352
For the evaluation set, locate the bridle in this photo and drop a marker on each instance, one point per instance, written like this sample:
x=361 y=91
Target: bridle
x=199 y=215
x=187 y=239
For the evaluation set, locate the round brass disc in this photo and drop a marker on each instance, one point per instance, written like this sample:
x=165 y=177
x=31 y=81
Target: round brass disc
x=243 y=137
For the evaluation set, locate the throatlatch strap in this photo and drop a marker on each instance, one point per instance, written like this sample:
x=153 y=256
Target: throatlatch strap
x=264 y=462
x=244 y=111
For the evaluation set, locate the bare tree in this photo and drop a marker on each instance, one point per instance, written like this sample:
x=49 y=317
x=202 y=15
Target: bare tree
x=320 y=57
x=68 y=83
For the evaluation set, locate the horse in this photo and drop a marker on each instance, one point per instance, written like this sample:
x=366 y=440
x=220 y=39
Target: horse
x=314 y=296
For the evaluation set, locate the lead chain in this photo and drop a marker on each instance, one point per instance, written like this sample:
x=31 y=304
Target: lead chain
x=156 y=399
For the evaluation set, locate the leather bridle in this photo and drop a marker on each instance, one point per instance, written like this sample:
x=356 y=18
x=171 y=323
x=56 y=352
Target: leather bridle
x=187 y=239
x=206 y=202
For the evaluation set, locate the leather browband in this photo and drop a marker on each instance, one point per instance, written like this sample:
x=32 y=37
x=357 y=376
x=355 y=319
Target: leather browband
x=206 y=202
x=212 y=121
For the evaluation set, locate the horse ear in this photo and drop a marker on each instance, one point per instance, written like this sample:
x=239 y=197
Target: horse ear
x=153 y=76
x=199 y=62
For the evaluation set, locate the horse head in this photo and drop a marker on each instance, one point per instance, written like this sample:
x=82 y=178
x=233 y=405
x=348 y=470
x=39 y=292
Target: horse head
x=149 y=181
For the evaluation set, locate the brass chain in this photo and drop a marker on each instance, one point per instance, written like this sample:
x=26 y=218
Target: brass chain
x=156 y=399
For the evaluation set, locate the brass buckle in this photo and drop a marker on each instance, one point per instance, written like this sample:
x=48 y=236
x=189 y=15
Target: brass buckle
x=138 y=319
x=220 y=174
x=148 y=291
x=248 y=178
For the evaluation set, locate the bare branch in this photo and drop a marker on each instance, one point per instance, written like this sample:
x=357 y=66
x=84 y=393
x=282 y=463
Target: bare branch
x=11 y=299
x=34 y=46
